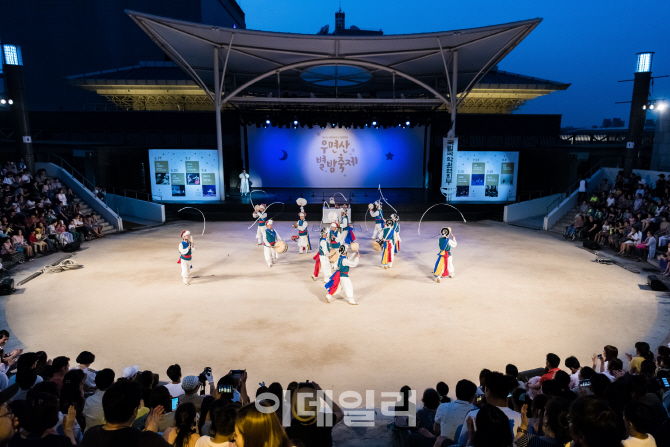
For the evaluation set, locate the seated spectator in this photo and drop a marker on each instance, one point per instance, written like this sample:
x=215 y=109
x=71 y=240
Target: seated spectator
x=72 y=395
x=42 y=419
x=600 y=361
x=450 y=416
x=304 y=425
x=256 y=429
x=425 y=420
x=84 y=360
x=26 y=378
x=120 y=405
x=614 y=370
x=573 y=365
x=489 y=428
x=160 y=397
x=184 y=433
x=496 y=394
x=7 y=419
x=60 y=366
x=443 y=390
x=93 y=410
x=632 y=239
x=222 y=431
x=174 y=373
x=593 y=423
x=642 y=353
x=20 y=244
x=552 y=364
x=599 y=383
x=639 y=421
x=554 y=426
x=191 y=385
x=64 y=237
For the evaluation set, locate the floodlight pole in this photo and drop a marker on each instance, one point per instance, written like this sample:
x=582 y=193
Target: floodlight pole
x=454 y=94
x=637 y=113
x=217 y=112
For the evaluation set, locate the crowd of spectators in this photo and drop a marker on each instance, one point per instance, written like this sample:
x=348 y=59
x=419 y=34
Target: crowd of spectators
x=58 y=402
x=629 y=215
x=38 y=214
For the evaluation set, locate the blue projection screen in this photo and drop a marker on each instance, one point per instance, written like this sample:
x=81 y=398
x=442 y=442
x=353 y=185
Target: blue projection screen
x=333 y=157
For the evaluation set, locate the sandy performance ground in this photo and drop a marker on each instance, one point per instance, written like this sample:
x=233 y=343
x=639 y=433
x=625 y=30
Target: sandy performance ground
x=517 y=295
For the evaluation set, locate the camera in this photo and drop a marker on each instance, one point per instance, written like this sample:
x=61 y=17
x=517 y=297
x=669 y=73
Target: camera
x=202 y=377
x=306 y=384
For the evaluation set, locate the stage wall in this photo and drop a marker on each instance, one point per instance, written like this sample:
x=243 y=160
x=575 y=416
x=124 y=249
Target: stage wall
x=184 y=175
x=333 y=157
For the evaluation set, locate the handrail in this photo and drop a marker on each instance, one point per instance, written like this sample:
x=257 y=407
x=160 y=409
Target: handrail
x=149 y=197
x=542 y=193
x=572 y=188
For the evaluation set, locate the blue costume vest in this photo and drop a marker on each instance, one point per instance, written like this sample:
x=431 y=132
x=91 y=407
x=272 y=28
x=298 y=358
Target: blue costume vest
x=302 y=232
x=271 y=236
x=333 y=240
x=187 y=256
x=344 y=269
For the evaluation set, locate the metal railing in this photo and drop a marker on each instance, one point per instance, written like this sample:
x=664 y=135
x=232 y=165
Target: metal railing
x=557 y=202
x=139 y=195
x=535 y=194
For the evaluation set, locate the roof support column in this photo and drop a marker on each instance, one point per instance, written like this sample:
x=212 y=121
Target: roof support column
x=454 y=94
x=217 y=113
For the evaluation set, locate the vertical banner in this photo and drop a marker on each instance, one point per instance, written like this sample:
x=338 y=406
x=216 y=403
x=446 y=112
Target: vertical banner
x=449 y=155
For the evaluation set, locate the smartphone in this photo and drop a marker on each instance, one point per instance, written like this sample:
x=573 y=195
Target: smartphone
x=225 y=389
x=480 y=397
x=509 y=395
x=664 y=382
x=600 y=356
x=585 y=383
x=175 y=403
x=236 y=373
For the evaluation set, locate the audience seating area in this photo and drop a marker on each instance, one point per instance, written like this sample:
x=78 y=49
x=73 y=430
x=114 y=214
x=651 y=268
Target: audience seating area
x=40 y=215
x=614 y=399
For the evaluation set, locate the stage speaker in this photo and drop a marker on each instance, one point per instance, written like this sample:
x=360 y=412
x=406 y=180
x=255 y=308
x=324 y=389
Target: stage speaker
x=656 y=284
x=591 y=245
x=7 y=286
x=74 y=246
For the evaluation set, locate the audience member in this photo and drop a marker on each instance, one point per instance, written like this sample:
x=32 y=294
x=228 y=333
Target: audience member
x=93 y=410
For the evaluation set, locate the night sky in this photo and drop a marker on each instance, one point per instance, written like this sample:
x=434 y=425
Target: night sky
x=590 y=44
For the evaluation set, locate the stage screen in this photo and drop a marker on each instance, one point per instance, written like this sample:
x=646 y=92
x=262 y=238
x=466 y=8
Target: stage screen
x=333 y=157
x=485 y=176
x=184 y=175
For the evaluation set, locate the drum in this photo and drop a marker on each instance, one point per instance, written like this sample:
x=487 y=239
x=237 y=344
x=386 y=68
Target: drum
x=334 y=255
x=370 y=206
x=376 y=245
x=354 y=246
x=280 y=247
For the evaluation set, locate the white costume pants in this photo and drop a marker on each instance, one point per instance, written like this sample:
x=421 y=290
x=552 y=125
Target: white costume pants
x=450 y=266
x=325 y=268
x=344 y=235
x=259 y=234
x=302 y=244
x=346 y=286
x=185 y=269
x=270 y=254
x=378 y=232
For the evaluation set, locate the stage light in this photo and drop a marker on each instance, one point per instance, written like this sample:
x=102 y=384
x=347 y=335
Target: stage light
x=267 y=121
x=333 y=125
x=3 y=102
x=643 y=64
x=661 y=106
x=407 y=123
x=651 y=107
x=374 y=123
x=295 y=123
x=10 y=102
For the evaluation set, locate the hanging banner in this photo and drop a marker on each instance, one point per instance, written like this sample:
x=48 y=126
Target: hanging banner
x=449 y=155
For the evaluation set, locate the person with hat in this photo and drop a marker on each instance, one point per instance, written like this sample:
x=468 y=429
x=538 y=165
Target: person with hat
x=262 y=218
x=388 y=238
x=321 y=258
x=84 y=360
x=445 y=265
x=185 y=254
x=244 y=183
x=191 y=385
x=303 y=234
x=348 y=235
x=340 y=279
x=396 y=232
x=270 y=237
x=130 y=372
x=378 y=214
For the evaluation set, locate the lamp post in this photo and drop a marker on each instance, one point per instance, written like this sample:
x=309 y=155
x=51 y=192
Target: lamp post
x=638 y=110
x=12 y=65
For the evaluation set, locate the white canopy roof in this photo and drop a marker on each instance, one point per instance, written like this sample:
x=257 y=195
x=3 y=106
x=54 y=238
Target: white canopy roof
x=260 y=64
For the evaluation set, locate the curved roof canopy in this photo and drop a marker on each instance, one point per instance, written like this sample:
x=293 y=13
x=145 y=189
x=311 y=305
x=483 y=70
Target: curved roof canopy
x=262 y=66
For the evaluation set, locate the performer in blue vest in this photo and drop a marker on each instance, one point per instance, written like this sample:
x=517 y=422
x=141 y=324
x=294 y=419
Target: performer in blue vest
x=388 y=235
x=445 y=265
x=322 y=263
x=262 y=217
x=396 y=232
x=378 y=214
x=270 y=237
x=348 y=235
x=340 y=279
x=303 y=234
x=185 y=254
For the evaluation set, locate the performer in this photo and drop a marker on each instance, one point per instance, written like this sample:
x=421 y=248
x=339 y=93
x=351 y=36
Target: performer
x=340 y=279
x=378 y=214
x=445 y=265
x=303 y=235
x=396 y=232
x=387 y=244
x=347 y=236
x=244 y=183
x=270 y=236
x=321 y=258
x=185 y=255
x=262 y=216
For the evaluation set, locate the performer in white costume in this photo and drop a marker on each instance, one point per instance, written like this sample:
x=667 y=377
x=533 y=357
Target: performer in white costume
x=340 y=279
x=344 y=225
x=396 y=232
x=270 y=237
x=322 y=262
x=185 y=254
x=378 y=214
x=445 y=263
x=244 y=183
x=262 y=216
x=303 y=234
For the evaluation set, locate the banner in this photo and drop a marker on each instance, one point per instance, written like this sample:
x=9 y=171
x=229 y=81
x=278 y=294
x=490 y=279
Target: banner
x=334 y=157
x=184 y=175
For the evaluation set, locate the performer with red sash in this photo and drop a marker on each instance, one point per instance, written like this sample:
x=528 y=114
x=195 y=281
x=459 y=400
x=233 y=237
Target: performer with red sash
x=270 y=237
x=303 y=234
x=185 y=255
x=340 y=279
x=322 y=262
x=262 y=217
x=388 y=244
x=378 y=214
x=445 y=265
x=396 y=232
x=347 y=228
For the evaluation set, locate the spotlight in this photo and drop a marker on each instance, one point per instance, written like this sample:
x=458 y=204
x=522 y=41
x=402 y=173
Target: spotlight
x=267 y=121
x=295 y=123
x=3 y=102
x=374 y=123
x=10 y=102
x=644 y=107
x=407 y=123
x=661 y=106
x=651 y=107
x=333 y=125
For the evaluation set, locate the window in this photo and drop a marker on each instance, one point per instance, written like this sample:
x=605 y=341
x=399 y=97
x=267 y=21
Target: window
x=12 y=55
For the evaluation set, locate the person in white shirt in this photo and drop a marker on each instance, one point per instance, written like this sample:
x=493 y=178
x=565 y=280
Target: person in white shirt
x=93 y=406
x=222 y=429
x=62 y=198
x=639 y=421
x=573 y=365
x=175 y=388
x=634 y=238
x=496 y=392
x=85 y=359
x=450 y=415
x=244 y=183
